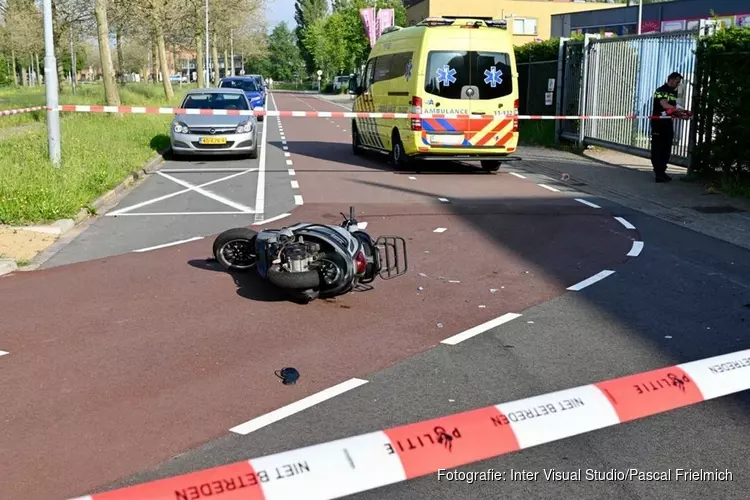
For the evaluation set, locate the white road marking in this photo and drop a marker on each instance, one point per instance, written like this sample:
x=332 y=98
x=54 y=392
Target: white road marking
x=592 y=205
x=412 y=178
x=296 y=407
x=444 y=200
x=636 y=250
x=285 y=148
x=3 y=353
x=298 y=200
x=123 y=211
x=289 y=162
x=260 y=190
x=362 y=225
x=182 y=213
x=549 y=187
x=472 y=332
x=272 y=219
x=440 y=230
x=291 y=171
x=295 y=185
x=590 y=281
x=625 y=223
x=283 y=143
x=209 y=194
x=283 y=138
x=517 y=175
x=201 y=170
x=168 y=244
x=287 y=155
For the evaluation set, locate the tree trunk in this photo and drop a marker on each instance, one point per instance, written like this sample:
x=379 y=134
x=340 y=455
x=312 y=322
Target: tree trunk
x=226 y=64
x=118 y=45
x=24 y=74
x=36 y=69
x=168 y=92
x=111 y=96
x=154 y=62
x=199 y=81
x=57 y=39
x=215 y=51
x=15 y=69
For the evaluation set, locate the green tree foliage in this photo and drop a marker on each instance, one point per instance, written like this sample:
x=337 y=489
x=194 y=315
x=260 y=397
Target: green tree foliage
x=722 y=124
x=306 y=13
x=284 y=58
x=338 y=43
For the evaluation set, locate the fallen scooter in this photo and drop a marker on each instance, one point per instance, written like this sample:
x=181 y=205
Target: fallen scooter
x=309 y=260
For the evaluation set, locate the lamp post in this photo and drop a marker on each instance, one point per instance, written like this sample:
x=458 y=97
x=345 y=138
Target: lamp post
x=208 y=78
x=640 y=15
x=50 y=83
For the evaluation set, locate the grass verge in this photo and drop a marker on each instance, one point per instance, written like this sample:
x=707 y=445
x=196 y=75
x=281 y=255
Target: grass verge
x=98 y=152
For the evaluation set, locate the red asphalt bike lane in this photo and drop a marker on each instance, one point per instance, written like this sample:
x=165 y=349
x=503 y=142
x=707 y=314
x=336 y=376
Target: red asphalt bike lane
x=121 y=363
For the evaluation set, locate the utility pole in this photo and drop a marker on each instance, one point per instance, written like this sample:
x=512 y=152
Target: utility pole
x=50 y=82
x=231 y=47
x=640 y=15
x=208 y=76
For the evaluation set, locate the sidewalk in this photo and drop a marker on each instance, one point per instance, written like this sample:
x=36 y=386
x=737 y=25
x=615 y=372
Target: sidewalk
x=628 y=180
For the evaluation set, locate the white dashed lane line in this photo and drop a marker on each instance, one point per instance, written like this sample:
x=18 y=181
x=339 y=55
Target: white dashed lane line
x=440 y=230
x=444 y=200
x=588 y=203
x=549 y=188
x=298 y=200
x=636 y=249
x=295 y=185
x=472 y=332
x=590 y=281
x=296 y=407
x=517 y=175
x=165 y=245
x=4 y=353
x=289 y=162
x=625 y=223
x=292 y=172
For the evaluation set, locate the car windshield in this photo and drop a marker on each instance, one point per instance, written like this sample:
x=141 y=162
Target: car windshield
x=215 y=100
x=246 y=85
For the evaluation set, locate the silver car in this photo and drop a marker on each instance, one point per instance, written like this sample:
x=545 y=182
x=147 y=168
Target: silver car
x=215 y=134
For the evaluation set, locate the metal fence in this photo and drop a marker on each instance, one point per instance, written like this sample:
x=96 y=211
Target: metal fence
x=536 y=87
x=618 y=76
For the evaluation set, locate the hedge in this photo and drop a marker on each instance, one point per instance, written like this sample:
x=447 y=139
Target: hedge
x=722 y=121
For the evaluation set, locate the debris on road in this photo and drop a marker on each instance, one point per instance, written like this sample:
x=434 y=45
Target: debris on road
x=288 y=376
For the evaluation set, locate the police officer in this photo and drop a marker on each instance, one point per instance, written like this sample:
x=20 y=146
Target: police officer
x=662 y=129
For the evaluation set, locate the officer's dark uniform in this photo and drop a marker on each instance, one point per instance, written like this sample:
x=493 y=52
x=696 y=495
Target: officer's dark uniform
x=662 y=131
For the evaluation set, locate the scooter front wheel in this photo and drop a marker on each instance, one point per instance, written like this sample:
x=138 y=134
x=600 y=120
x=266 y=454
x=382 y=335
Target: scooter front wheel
x=234 y=249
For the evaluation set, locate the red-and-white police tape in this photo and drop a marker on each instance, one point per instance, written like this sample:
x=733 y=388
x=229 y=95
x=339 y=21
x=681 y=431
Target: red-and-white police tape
x=347 y=466
x=8 y=112
x=80 y=108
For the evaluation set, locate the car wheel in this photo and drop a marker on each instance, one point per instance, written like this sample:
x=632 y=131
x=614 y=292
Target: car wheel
x=490 y=165
x=398 y=156
x=356 y=141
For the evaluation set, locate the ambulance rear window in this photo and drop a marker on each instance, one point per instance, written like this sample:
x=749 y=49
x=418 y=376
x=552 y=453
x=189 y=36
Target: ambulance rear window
x=448 y=72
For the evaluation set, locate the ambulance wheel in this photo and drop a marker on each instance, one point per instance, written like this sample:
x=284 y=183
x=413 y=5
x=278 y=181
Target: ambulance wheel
x=356 y=141
x=490 y=165
x=398 y=156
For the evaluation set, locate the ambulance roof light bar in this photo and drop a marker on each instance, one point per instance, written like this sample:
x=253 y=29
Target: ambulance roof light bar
x=450 y=20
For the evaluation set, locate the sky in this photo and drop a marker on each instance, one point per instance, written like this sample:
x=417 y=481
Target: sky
x=280 y=10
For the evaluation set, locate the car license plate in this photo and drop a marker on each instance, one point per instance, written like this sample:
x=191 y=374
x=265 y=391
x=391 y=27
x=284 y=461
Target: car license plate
x=447 y=140
x=213 y=140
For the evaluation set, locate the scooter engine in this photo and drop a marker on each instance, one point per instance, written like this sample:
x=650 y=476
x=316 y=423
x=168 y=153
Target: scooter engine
x=297 y=257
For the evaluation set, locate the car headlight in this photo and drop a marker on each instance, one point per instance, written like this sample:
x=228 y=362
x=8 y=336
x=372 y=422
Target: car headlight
x=181 y=128
x=244 y=127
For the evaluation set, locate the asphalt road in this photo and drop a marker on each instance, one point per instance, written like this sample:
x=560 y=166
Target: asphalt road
x=136 y=366
x=189 y=198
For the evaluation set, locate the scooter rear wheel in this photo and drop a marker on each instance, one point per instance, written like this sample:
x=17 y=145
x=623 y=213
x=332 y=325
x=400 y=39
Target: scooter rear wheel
x=234 y=249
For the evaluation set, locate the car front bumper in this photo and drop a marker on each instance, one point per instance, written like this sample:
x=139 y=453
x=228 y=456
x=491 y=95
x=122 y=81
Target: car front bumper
x=235 y=143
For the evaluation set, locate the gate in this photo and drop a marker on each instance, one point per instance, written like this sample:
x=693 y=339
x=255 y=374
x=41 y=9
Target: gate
x=618 y=76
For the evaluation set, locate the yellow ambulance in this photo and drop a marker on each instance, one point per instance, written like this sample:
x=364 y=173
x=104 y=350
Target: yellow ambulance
x=444 y=66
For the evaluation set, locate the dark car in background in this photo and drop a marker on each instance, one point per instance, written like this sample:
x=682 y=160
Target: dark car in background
x=255 y=94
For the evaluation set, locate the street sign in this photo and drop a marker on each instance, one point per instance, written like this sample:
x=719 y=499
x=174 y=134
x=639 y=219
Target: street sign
x=320 y=72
